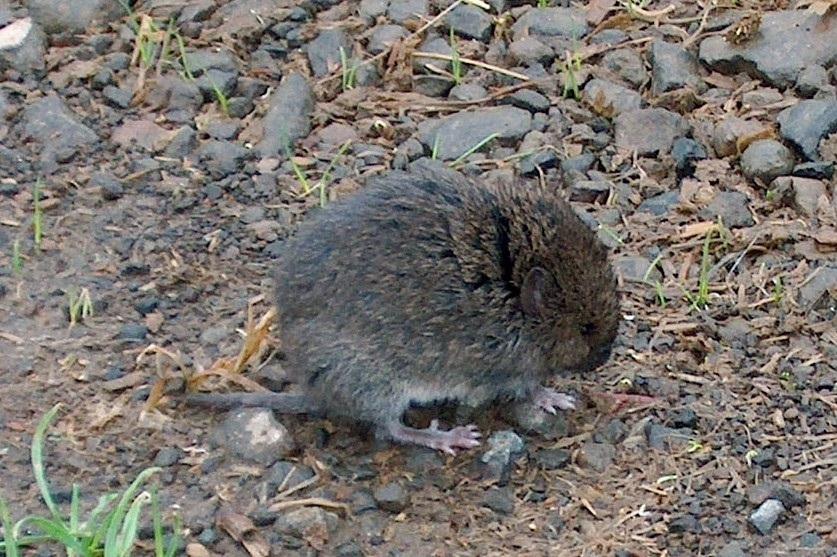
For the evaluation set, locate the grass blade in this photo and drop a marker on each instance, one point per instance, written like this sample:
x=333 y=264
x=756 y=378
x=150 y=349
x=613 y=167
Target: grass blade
x=57 y=531
x=38 y=461
x=9 y=544
x=118 y=515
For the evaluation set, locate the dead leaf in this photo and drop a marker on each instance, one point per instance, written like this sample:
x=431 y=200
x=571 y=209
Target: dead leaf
x=125 y=382
x=196 y=550
x=241 y=529
x=597 y=10
x=154 y=321
x=745 y=29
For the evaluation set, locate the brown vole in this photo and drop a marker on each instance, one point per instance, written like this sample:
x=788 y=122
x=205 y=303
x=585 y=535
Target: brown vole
x=426 y=287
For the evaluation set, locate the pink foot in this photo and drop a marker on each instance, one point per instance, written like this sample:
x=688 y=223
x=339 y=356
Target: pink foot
x=463 y=437
x=549 y=399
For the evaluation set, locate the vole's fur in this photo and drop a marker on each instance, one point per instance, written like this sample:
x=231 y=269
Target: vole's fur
x=424 y=287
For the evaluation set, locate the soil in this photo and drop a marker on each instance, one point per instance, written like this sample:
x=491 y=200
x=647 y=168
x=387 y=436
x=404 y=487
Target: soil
x=738 y=404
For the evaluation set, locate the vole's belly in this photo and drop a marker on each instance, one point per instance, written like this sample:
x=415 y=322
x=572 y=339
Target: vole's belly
x=472 y=395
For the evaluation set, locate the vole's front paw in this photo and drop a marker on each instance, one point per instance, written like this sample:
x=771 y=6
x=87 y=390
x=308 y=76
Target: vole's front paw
x=549 y=399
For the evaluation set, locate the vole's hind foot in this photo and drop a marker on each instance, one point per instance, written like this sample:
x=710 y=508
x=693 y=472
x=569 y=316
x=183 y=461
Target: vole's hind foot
x=549 y=399
x=462 y=437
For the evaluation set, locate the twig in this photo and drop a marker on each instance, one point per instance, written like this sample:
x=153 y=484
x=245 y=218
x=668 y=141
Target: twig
x=694 y=36
x=471 y=61
x=310 y=501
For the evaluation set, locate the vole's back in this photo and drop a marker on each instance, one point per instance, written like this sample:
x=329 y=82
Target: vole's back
x=405 y=291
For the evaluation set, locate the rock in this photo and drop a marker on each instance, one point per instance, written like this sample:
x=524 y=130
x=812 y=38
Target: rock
x=308 y=523
x=766 y=159
x=570 y=23
x=222 y=158
x=499 y=500
x=470 y=22
x=324 y=51
x=804 y=194
x=598 y=456
x=503 y=448
x=117 y=97
x=289 y=117
x=110 y=187
x=806 y=123
x=673 y=67
x=816 y=170
x=775 y=489
x=133 y=332
x=287 y=475
x=552 y=459
x=732 y=549
x=529 y=100
x=729 y=131
x=370 y=10
x=610 y=99
x=392 y=497
x=402 y=10
x=627 y=64
x=589 y=191
x=384 y=36
x=542 y=159
x=142 y=133
x=683 y=524
x=22 y=46
x=54 y=127
x=732 y=207
x=467 y=92
x=787 y=42
x=254 y=434
x=146 y=305
x=176 y=94
x=349 y=549
x=686 y=152
x=632 y=130
x=74 y=16
x=809 y=540
x=182 y=143
x=811 y=79
x=337 y=134
x=455 y=135
x=528 y=50
x=764 y=518
x=762 y=96
x=634 y=269
x=168 y=456
x=736 y=332
x=662 y=438
x=660 y=204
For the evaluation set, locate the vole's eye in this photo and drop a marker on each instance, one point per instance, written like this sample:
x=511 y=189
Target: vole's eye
x=588 y=329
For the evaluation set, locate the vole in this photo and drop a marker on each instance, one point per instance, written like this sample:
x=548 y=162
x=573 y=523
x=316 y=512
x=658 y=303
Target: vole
x=426 y=286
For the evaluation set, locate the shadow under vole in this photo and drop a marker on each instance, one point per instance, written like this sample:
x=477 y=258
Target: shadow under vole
x=426 y=287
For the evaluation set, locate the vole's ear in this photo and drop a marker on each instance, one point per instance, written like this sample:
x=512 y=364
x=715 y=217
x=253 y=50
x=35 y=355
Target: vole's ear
x=533 y=292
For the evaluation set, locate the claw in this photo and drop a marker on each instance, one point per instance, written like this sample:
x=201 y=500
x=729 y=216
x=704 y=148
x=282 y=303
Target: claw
x=549 y=400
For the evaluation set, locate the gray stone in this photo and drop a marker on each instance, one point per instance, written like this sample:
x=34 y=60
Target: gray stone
x=22 y=46
x=673 y=67
x=598 y=456
x=54 y=126
x=809 y=540
x=811 y=79
x=307 y=523
x=818 y=286
x=632 y=130
x=552 y=459
x=804 y=193
x=5 y=106
x=254 y=434
x=222 y=158
x=432 y=85
x=570 y=23
x=203 y=60
x=324 y=51
x=503 y=448
x=528 y=100
x=401 y=10
x=634 y=268
x=467 y=92
x=627 y=64
x=223 y=130
x=766 y=159
x=370 y=10
x=806 y=123
x=286 y=474
x=73 y=16
x=501 y=501
x=289 y=117
x=213 y=80
x=819 y=170
x=117 y=97
x=610 y=99
x=168 y=456
x=110 y=187
x=527 y=50
x=383 y=36
x=392 y=497
x=764 y=518
x=470 y=22
x=762 y=96
x=436 y=45
x=589 y=191
x=729 y=131
x=732 y=549
x=455 y=135
x=685 y=153
x=133 y=332
x=660 y=204
x=662 y=438
x=541 y=160
x=182 y=143
x=787 y=42
x=683 y=524
x=732 y=207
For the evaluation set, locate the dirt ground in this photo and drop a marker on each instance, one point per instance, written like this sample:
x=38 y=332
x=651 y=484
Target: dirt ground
x=742 y=387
